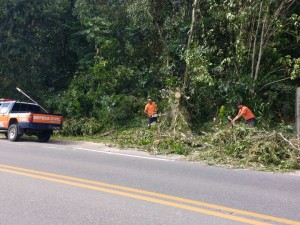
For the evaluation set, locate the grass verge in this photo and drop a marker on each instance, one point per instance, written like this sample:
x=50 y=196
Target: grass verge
x=238 y=147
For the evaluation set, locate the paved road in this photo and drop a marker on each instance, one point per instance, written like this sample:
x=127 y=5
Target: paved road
x=71 y=183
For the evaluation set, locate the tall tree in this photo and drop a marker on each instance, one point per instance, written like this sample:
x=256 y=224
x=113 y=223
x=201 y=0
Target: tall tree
x=214 y=52
x=35 y=46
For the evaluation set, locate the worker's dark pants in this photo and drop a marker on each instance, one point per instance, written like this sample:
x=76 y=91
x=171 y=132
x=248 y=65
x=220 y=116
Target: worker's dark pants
x=151 y=120
x=250 y=122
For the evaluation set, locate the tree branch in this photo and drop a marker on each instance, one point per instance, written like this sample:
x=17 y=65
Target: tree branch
x=289 y=142
x=158 y=29
x=273 y=82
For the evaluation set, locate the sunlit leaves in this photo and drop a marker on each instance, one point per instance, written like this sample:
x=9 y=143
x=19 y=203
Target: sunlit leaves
x=198 y=66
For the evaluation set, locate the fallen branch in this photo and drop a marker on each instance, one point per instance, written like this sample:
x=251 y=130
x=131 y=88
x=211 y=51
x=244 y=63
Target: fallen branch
x=107 y=133
x=289 y=142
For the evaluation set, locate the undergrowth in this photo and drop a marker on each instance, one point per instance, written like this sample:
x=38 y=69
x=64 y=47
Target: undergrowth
x=152 y=141
x=239 y=147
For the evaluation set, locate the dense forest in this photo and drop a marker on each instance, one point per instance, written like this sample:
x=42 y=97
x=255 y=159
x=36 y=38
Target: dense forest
x=98 y=60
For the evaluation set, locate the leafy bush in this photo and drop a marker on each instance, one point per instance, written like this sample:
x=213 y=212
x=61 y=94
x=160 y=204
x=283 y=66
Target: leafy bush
x=150 y=140
x=80 y=127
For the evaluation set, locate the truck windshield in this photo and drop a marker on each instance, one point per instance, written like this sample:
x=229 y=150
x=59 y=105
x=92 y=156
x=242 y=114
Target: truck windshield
x=4 y=107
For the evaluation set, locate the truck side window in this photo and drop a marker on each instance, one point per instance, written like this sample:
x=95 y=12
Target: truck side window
x=16 y=107
x=24 y=107
x=37 y=109
x=4 y=107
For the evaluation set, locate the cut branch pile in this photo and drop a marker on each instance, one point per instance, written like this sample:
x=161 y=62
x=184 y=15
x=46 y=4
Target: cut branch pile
x=251 y=147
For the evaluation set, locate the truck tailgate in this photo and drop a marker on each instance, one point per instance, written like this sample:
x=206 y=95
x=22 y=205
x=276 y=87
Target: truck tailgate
x=47 y=118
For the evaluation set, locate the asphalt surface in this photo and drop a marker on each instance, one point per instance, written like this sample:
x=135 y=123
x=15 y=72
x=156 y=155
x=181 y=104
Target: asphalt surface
x=86 y=183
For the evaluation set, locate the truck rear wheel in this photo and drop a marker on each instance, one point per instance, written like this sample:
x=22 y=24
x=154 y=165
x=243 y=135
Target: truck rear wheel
x=43 y=137
x=12 y=133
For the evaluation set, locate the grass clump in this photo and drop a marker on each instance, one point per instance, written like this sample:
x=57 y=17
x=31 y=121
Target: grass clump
x=152 y=141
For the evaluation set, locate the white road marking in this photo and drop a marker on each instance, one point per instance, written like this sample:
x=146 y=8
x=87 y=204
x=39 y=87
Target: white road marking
x=53 y=147
x=121 y=154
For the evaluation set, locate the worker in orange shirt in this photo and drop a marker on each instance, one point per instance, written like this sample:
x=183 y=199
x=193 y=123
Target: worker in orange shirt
x=151 y=111
x=246 y=113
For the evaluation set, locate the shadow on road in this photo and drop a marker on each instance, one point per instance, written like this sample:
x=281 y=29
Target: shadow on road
x=35 y=139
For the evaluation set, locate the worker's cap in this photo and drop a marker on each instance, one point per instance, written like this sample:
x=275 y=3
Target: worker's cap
x=238 y=104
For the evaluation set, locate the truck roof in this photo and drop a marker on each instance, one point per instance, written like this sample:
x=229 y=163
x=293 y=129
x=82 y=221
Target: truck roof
x=18 y=106
x=10 y=100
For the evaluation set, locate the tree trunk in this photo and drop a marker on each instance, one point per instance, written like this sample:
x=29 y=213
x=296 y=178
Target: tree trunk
x=267 y=30
x=254 y=42
x=186 y=78
x=261 y=49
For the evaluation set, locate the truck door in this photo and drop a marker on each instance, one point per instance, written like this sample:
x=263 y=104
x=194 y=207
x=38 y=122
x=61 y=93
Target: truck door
x=4 y=115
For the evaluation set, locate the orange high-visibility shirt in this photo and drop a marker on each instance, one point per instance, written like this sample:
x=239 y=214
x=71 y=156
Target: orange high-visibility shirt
x=246 y=113
x=151 y=108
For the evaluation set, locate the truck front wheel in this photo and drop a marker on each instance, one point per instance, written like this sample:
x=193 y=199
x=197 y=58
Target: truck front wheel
x=44 y=137
x=12 y=133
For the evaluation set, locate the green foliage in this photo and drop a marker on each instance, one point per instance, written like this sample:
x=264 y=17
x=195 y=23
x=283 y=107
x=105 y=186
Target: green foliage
x=82 y=54
x=104 y=94
x=110 y=111
x=198 y=66
x=80 y=127
x=148 y=139
x=296 y=68
x=222 y=116
x=35 y=47
x=134 y=138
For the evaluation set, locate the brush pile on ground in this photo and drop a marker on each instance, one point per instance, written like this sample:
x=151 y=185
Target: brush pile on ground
x=251 y=148
x=240 y=146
